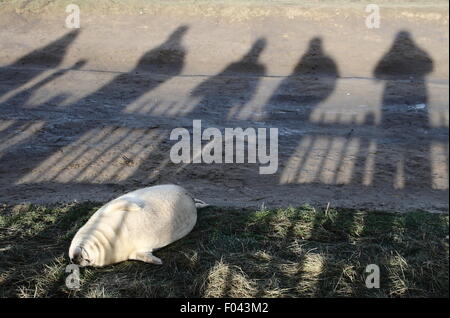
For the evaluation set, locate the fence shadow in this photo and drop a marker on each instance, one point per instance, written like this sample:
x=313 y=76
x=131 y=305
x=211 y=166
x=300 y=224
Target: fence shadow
x=323 y=153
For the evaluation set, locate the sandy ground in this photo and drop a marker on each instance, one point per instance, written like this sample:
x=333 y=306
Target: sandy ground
x=362 y=113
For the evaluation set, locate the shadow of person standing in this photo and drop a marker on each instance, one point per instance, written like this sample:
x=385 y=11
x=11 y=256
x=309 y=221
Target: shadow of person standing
x=404 y=114
x=226 y=94
x=104 y=107
x=311 y=82
x=26 y=125
x=166 y=60
x=403 y=68
x=44 y=58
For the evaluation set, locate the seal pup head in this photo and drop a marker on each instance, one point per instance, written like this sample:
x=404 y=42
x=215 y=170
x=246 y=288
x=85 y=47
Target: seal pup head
x=94 y=243
x=80 y=257
x=83 y=255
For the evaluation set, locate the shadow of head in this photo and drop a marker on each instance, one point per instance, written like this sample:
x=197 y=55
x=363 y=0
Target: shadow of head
x=52 y=54
x=255 y=51
x=315 y=61
x=315 y=45
x=168 y=57
x=178 y=34
x=404 y=58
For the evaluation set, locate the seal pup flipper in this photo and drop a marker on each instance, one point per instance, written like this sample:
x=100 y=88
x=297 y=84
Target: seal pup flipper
x=199 y=204
x=146 y=256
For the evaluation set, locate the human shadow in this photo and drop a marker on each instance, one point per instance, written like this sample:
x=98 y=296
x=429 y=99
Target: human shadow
x=123 y=89
x=405 y=99
x=47 y=57
x=18 y=74
x=404 y=68
x=311 y=82
x=166 y=59
x=227 y=93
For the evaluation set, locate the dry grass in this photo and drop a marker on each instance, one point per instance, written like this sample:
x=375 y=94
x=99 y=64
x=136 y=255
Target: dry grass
x=293 y=252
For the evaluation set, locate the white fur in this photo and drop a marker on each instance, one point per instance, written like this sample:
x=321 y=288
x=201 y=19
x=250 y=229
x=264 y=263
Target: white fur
x=134 y=225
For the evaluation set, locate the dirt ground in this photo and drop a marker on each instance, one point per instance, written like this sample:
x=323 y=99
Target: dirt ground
x=362 y=114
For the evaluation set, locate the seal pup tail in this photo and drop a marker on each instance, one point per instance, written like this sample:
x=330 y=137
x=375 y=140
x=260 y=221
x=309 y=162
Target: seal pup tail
x=199 y=204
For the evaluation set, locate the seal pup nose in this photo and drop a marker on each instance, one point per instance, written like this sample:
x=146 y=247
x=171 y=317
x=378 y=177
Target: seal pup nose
x=77 y=256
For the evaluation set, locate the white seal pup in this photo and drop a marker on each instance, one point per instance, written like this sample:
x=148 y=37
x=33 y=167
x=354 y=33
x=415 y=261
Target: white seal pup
x=135 y=224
